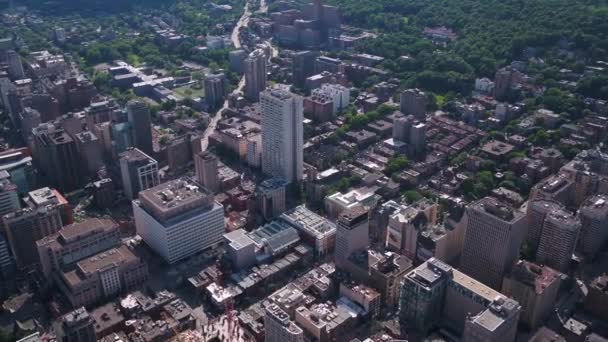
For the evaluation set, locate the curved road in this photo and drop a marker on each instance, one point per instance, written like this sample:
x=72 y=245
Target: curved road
x=236 y=41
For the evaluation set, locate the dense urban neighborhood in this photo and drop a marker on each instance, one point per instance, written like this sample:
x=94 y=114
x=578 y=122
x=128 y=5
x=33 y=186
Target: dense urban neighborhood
x=296 y=171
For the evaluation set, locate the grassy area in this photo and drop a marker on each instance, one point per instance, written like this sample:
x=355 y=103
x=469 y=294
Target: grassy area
x=190 y=92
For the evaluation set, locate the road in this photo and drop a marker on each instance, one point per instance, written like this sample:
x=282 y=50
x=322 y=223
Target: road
x=236 y=41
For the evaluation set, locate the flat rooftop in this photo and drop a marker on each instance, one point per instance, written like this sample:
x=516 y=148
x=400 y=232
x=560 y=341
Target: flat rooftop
x=309 y=221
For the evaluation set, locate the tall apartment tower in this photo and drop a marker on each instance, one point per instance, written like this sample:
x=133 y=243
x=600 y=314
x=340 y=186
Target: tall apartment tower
x=139 y=117
x=205 y=164
x=558 y=240
x=215 y=90
x=15 y=67
x=75 y=326
x=303 y=67
x=255 y=75
x=178 y=219
x=26 y=226
x=57 y=155
x=138 y=171
x=492 y=240
x=535 y=216
x=352 y=233
x=271 y=197
x=502 y=83
x=282 y=134
x=413 y=102
x=594 y=231
x=279 y=328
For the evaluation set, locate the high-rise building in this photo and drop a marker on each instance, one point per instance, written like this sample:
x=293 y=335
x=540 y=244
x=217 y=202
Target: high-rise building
x=413 y=102
x=255 y=75
x=303 y=67
x=556 y=187
x=9 y=196
x=75 y=326
x=139 y=117
x=271 y=197
x=138 y=171
x=411 y=131
x=502 y=83
x=493 y=237
x=75 y=242
x=90 y=150
x=535 y=216
x=279 y=328
x=237 y=61
x=206 y=167
x=558 y=240
x=26 y=226
x=15 y=66
x=215 y=90
x=57 y=155
x=536 y=288
x=352 y=233
x=594 y=231
x=178 y=219
x=18 y=164
x=282 y=134
x=434 y=295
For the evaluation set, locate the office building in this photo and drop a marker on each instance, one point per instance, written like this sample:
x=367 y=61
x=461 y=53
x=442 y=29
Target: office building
x=255 y=75
x=15 y=66
x=270 y=195
x=7 y=264
x=434 y=295
x=282 y=134
x=279 y=328
x=240 y=249
x=493 y=237
x=103 y=276
x=57 y=156
x=104 y=194
x=537 y=211
x=139 y=118
x=336 y=203
x=26 y=226
x=496 y=324
x=352 y=234
x=413 y=102
x=535 y=287
x=558 y=240
x=205 y=164
x=215 y=90
x=406 y=224
x=596 y=301
x=557 y=188
x=90 y=151
x=385 y=274
x=9 y=196
x=138 y=172
x=303 y=67
x=314 y=229
x=594 y=230
x=75 y=326
x=178 y=219
x=326 y=322
x=75 y=242
x=18 y=164
x=365 y=296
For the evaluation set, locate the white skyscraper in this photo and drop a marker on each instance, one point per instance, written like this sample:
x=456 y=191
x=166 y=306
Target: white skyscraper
x=282 y=134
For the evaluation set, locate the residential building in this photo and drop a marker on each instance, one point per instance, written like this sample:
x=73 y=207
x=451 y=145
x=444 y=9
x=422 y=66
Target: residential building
x=139 y=117
x=279 y=328
x=413 y=102
x=282 y=134
x=90 y=151
x=596 y=301
x=324 y=322
x=75 y=242
x=557 y=188
x=315 y=229
x=15 y=66
x=536 y=288
x=405 y=225
x=594 y=229
x=385 y=272
x=9 y=196
x=18 y=164
x=303 y=67
x=352 y=234
x=365 y=296
x=75 y=326
x=558 y=240
x=255 y=75
x=215 y=90
x=493 y=237
x=496 y=324
x=338 y=94
x=138 y=171
x=537 y=211
x=178 y=219
x=103 y=276
x=205 y=164
x=271 y=197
